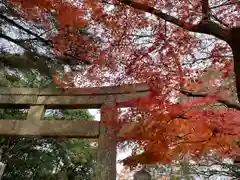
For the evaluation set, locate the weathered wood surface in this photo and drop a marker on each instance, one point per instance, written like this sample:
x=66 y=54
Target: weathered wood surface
x=107 y=143
x=50 y=128
x=71 y=98
x=66 y=128
x=52 y=102
x=108 y=90
x=36 y=113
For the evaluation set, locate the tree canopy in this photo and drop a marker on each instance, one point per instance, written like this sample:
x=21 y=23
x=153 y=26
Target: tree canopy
x=184 y=50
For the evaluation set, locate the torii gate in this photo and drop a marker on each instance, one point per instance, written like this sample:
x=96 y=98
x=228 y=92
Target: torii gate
x=37 y=100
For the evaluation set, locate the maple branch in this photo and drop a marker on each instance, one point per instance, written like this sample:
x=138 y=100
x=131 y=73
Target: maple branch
x=154 y=11
x=226 y=3
x=47 y=42
x=197 y=60
x=205 y=10
x=15 y=41
x=36 y=61
x=213 y=134
x=205 y=26
x=234 y=43
x=204 y=94
x=219 y=20
x=191 y=142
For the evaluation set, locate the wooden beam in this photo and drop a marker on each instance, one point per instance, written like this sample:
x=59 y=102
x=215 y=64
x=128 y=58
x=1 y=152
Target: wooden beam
x=18 y=99
x=109 y=90
x=36 y=113
x=53 y=102
x=50 y=128
x=65 y=128
x=107 y=143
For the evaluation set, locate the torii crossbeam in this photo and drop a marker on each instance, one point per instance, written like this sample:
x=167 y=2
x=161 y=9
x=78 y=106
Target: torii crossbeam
x=37 y=100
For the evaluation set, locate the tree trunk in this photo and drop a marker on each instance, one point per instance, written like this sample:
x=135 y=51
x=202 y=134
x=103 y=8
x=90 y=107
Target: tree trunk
x=234 y=42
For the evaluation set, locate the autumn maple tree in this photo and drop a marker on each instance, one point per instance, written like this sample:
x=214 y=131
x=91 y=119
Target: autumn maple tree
x=186 y=51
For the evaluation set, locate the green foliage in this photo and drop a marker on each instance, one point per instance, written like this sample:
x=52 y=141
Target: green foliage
x=30 y=79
